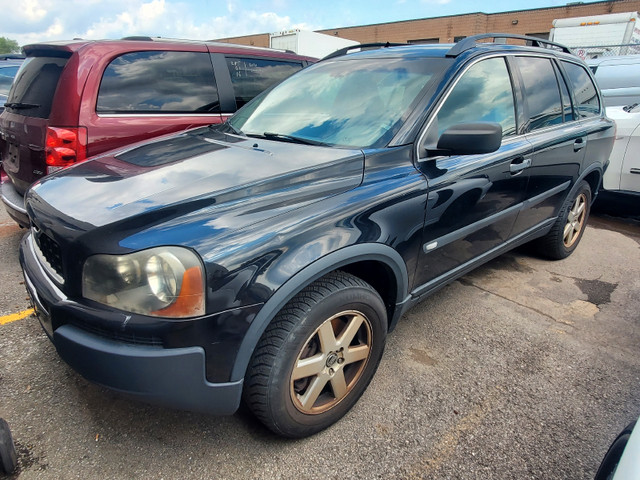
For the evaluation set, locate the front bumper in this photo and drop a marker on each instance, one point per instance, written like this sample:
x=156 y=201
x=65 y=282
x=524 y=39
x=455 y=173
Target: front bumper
x=174 y=377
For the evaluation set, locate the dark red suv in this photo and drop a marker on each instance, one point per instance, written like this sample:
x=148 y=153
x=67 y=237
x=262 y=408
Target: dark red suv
x=73 y=100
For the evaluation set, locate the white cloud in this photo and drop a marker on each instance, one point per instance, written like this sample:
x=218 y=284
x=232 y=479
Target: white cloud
x=30 y=21
x=32 y=9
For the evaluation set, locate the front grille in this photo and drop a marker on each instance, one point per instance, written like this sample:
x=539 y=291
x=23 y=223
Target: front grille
x=50 y=254
x=125 y=337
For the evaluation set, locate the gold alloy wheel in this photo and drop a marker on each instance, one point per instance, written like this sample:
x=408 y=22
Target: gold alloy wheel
x=331 y=362
x=575 y=220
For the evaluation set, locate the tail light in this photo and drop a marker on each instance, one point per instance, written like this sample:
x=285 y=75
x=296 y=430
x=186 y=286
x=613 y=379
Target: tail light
x=64 y=147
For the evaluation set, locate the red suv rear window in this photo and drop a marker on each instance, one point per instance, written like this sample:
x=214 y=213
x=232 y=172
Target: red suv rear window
x=34 y=86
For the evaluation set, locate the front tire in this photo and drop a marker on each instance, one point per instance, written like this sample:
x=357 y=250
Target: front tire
x=564 y=236
x=317 y=356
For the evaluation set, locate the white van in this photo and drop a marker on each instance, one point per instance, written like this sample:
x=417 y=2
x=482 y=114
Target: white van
x=618 y=78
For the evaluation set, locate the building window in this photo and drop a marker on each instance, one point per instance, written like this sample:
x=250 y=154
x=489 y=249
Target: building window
x=457 y=39
x=424 y=41
x=543 y=35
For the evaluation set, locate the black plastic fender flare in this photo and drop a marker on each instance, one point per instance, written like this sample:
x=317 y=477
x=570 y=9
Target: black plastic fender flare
x=594 y=167
x=333 y=261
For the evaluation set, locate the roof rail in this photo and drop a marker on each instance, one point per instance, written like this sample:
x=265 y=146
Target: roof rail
x=143 y=38
x=361 y=46
x=470 y=42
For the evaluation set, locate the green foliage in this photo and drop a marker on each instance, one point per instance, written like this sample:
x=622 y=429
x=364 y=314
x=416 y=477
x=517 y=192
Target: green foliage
x=9 y=46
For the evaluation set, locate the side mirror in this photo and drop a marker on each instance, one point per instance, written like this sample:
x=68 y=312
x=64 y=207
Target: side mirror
x=468 y=139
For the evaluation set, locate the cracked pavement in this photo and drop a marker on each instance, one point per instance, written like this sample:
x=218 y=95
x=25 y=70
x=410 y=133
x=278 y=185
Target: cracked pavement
x=524 y=368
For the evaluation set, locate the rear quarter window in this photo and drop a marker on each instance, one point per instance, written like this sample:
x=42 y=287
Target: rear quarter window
x=35 y=85
x=251 y=76
x=584 y=91
x=159 y=82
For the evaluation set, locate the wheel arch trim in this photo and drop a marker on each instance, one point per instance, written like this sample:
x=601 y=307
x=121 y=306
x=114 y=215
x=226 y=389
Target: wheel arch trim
x=333 y=261
x=593 y=168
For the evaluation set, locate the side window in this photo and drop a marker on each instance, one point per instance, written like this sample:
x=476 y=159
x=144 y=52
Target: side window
x=584 y=91
x=566 y=98
x=159 y=82
x=250 y=76
x=540 y=92
x=483 y=94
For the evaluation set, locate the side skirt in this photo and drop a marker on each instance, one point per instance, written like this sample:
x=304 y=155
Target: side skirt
x=423 y=291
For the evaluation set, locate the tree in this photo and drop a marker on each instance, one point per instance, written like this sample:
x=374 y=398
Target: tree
x=9 y=46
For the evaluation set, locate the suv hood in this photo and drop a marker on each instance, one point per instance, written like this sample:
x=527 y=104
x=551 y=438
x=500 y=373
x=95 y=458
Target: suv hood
x=202 y=169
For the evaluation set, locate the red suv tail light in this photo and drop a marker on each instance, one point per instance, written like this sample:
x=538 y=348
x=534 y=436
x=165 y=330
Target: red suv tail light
x=64 y=147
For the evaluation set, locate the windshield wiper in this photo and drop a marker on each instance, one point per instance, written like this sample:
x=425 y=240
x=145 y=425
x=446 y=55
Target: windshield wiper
x=20 y=106
x=628 y=108
x=291 y=138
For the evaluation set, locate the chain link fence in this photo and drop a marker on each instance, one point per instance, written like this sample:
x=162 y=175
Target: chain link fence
x=599 y=51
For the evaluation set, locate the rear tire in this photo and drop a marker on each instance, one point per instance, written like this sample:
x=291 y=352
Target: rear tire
x=317 y=356
x=564 y=236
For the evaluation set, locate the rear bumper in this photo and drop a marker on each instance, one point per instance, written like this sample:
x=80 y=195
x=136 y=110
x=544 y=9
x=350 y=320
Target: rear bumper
x=14 y=203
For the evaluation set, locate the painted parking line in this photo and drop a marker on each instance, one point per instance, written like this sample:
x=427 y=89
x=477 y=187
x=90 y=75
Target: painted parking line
x=15 y=316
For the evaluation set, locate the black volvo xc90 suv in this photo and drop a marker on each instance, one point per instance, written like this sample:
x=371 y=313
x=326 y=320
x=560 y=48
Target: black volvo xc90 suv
x=268 y=258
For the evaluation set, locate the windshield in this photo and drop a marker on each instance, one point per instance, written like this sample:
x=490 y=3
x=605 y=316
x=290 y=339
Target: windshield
x=357 y=103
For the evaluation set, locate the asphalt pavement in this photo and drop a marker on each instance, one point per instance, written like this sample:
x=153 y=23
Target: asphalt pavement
x=523 y=369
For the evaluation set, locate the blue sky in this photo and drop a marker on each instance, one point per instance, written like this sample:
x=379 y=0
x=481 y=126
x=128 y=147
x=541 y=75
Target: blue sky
x=28 y=21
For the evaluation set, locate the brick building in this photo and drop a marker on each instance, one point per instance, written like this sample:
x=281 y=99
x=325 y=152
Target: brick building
x=451 y=28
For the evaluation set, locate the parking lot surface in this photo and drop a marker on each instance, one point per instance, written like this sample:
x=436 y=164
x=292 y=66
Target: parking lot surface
x=522 y=369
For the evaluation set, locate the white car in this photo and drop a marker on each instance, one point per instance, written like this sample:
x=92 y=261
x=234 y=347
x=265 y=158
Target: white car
x=622 y=460
x=623 y=173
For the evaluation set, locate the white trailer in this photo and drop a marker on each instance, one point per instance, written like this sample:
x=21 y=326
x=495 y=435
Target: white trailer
x=601 y=33
x=312 y=44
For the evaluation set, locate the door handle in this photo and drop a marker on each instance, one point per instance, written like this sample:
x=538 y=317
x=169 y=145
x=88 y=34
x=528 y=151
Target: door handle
x=579 y=144
x=518 y=165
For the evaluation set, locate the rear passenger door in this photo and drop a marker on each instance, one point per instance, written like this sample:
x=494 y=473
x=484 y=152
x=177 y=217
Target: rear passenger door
x=558 y=138
x=473 y=200
x=588 y=108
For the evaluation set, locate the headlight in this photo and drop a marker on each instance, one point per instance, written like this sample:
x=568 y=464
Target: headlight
x=163 y=282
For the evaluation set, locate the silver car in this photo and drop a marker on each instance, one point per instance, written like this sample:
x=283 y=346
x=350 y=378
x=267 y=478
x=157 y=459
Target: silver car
x=618 y=77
